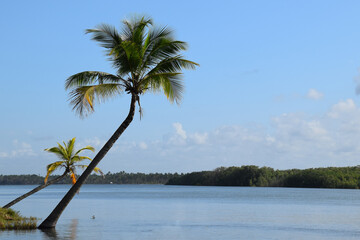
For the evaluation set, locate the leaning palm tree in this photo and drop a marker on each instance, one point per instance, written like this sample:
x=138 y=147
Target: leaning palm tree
x=146 y=59
x=70 y=160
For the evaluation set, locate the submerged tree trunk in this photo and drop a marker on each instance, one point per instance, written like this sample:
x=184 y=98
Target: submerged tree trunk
x=51 y=220
x=35 y=190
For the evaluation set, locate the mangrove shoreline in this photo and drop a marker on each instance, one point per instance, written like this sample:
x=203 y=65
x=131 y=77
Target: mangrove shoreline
x=252 y=176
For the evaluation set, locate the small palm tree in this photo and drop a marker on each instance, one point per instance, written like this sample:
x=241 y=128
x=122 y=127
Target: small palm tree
x=146 y=59
x=69 y=161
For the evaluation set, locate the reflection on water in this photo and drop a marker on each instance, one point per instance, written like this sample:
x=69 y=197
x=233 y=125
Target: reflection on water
x=186 y=213
x=52 y=234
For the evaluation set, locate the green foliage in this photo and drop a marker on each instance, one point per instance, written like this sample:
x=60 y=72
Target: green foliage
x=11 y=220
x=145 y=58
x=69 y=159
x=21 y=179
x=344 y=177
x=116 y=178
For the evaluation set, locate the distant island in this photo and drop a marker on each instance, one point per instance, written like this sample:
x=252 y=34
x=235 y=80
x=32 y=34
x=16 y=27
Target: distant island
x=252 y=176
x=331 y=177
x=108 y=178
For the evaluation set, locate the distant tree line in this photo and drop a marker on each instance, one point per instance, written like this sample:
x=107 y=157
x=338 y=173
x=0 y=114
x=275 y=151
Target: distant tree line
x=332 y=177
x=116 y=178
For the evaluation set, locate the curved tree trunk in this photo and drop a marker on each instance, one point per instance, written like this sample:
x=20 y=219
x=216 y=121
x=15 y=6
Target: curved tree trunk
x=51 y=220
x=35 y=190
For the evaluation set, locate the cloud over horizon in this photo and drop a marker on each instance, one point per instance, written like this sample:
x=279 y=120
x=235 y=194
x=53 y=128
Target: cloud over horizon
x=292 y=140
x=314 y=94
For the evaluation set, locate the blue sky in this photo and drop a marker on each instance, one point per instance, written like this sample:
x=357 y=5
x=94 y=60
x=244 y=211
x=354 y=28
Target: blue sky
x=276 y=86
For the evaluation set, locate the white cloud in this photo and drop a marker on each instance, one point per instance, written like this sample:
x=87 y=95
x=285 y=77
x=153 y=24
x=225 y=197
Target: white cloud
x=20 y=149
x=314 y=94
x=199 y=138
x=143 y=145
x=343 y=107
x=179 y=130
x=94 y=142
x=291 y=141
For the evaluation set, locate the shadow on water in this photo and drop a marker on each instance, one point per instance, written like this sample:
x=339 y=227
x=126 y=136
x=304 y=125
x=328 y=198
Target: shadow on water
x=52 y=234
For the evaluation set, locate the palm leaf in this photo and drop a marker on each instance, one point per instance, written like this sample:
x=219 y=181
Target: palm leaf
x=169 y=83
x=134 y=26
x=70 y=147
x=172 y=64
x=90 y=77
x=57 y=151
x=63 y=151
x=52 y=167
x=146 y=58
x=85 y=148
x=96 y=169
x=106 y=35
x=82 y=98
x=161 y=49
x=80 y=158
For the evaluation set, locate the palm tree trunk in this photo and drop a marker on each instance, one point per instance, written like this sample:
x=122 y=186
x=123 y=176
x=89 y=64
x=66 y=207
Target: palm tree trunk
x=51 y=220
x=35 y=190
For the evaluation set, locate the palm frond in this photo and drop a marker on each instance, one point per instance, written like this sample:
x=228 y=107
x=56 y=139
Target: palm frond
x=162 y=49
x=80 y=158
x=85 y=148
x=57 y=152
x=52 y=167
x=170 y=83
x=173 y=64
x=69 y=159
x=63 y=151
x=106 y=35
x=70 y=147
x=145 y=58
x=96 y=169
x=82 y=98
x=139 y=31
x=156 y=34
x=90 y=77
x=133 y=27
x=127 y=58
x=160 y=44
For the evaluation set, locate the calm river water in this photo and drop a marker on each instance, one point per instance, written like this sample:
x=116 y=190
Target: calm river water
x=183 y=212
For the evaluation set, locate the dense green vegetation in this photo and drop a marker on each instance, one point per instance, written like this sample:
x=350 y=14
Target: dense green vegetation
x=29 y=179
x=11 y=220
x=116 y=178
x=131 y=178
x=332 y=177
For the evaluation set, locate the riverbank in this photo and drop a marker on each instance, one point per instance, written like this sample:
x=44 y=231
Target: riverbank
x=12 y=220
x=253 y=176
x=115 y=178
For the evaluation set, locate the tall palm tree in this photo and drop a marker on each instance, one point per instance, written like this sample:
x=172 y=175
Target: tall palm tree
x=146 y=59
x=69 y=161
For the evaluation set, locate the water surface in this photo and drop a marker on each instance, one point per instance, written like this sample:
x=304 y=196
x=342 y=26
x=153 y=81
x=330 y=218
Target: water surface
x=189 y=212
